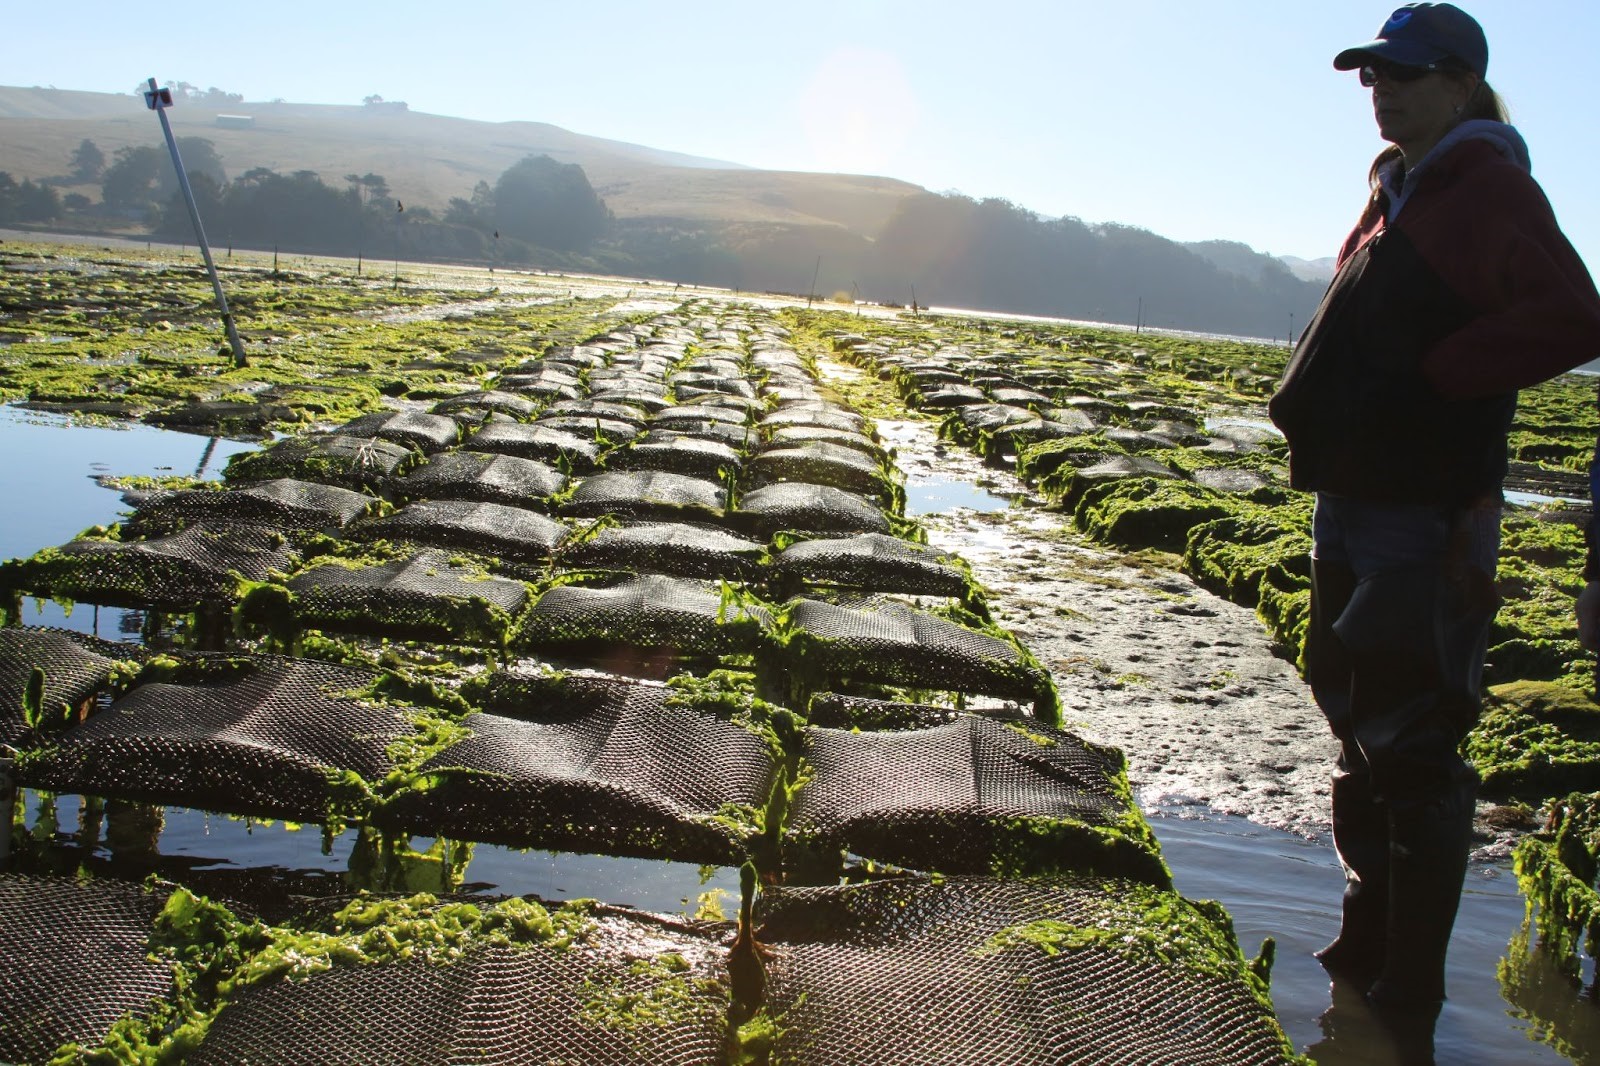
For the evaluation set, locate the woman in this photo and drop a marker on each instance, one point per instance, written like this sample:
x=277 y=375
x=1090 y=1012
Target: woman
x=1455 y=290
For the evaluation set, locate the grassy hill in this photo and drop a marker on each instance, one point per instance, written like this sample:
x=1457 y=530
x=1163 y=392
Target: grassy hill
x=427 y=159
x=679 y=217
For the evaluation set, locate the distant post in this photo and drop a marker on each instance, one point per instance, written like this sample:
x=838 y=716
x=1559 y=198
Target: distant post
x=399 y=209
x=158 y=100
x=812 y=295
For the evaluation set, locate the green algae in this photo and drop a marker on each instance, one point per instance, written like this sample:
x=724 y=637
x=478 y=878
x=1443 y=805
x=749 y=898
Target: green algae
x=324 y=347
x=1026 y=847
x=753 y=1042
x=216 y=955
x=1030 y=735
x=1259 y=557
x=1048 y=463
x=1535 y=633
x=1150 y=926
x=146 y=483
x=33 y=705
x=1232 y=555
x=655 y=993
x=1537 y=739
x=1147 y=512
x=1557 y=871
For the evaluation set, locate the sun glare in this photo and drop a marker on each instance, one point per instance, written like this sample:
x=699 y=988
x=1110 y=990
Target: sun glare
x=858 y=110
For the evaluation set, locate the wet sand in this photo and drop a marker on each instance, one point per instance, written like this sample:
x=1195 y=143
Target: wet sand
x=1183 y=682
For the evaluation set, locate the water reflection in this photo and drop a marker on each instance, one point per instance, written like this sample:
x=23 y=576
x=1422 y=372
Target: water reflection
x=1355 y=1034
x=1562 y=1014
x=266 y=863
x=54 y=495
x=934 y=495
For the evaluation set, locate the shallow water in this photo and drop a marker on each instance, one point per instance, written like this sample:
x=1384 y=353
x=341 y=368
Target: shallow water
x=1274 y=883
x=933 y=495
x=70 y=833
x=1287 y=887
x=47 y=483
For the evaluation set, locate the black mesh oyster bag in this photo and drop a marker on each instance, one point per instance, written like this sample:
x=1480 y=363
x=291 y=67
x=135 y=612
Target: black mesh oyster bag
x=589 y=763
x=975 y=795
x=416 y=429
x=807 y=508
x=484 y=476
x=557 y=447
x=426 y=595
x=648 y=495
x=878 y=641
x=494 y=530
x=676 y=549
x=200 y=565
x=873 y=562
x=74 y=960
x=975 y=971
x=361 y=463
x=675 y=617
x=264 y=736
x=74 y=669
x=285 y=504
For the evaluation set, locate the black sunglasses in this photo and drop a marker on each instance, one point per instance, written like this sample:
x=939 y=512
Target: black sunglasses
x=1395 y=72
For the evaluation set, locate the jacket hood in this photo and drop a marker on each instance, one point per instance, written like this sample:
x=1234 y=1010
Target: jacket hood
x=1400 y=183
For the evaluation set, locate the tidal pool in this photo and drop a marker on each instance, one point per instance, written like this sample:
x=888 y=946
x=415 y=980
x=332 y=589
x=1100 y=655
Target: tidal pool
x=50 y=495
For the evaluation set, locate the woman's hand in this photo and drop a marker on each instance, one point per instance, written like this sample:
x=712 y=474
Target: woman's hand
x=1589 y=616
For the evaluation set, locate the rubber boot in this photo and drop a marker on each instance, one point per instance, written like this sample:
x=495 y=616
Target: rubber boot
x=1428 y=849
x=1361 y=835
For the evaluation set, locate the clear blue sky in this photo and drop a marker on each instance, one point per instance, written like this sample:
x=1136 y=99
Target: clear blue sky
x=1196 y=120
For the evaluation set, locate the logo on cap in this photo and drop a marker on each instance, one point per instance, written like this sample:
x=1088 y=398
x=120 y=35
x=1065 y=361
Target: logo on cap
x=1396 y=20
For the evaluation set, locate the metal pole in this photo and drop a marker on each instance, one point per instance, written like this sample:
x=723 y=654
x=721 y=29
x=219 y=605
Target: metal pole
x=158 y=100
x=399 y=209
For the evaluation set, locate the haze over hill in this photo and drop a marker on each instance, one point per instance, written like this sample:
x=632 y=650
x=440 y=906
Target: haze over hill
x=692 y=219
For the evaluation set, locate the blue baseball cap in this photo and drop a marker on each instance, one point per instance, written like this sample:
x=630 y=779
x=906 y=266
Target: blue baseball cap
x=1419 y=34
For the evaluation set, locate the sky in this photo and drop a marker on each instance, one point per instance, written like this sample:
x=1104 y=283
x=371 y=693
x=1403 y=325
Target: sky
x=1195 y=119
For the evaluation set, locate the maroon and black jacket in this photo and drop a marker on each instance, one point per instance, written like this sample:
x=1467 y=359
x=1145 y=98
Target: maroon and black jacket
x=1404 y=384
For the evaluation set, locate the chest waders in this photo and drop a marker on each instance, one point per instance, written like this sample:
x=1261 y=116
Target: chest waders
x=1395 y=660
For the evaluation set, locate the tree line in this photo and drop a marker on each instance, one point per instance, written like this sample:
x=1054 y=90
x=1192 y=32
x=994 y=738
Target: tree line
x=945 y=249
x=536 y=208
x=955 y=251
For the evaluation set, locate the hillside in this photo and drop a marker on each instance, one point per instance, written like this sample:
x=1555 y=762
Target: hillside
x=674 y=217
x=427 y=159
